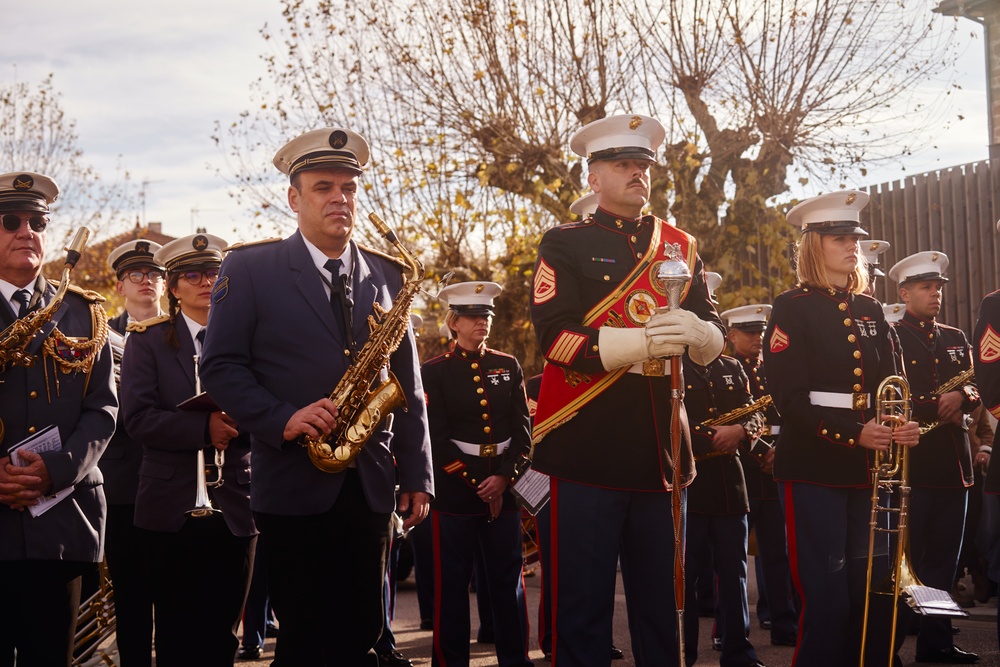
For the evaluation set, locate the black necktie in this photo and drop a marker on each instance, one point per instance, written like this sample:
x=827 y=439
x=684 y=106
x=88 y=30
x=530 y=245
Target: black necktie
x=336 y=292
x=23 y=297
x=200 y=336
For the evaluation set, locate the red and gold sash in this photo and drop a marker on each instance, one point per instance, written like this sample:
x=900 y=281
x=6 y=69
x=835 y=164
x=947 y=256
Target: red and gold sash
x=630 y=304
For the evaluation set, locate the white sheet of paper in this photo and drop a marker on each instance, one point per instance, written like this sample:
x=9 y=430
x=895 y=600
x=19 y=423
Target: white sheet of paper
x=46 y=440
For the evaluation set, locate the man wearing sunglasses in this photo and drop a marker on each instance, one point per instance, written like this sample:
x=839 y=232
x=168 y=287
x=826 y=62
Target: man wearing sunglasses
x=141 y=285
x=70 y=387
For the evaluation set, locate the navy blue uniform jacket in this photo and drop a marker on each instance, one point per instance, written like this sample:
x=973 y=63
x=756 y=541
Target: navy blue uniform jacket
x=156 y=377
x=830 y=341
x=273 y=347
x=120 y=461
x=478 y=398
x=986 y=357
x=932 y=354
x=617 y=439
x=84 y=409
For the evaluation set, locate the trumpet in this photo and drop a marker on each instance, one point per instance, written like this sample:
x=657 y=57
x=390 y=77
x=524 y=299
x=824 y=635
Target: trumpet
x=892 y=405
x=202 y=503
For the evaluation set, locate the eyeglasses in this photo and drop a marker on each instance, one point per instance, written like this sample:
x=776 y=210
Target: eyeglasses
x=195 y=277
x=12 y=222
x=138 y=276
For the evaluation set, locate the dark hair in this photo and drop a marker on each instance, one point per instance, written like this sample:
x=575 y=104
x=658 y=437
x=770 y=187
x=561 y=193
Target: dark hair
x=173 y=310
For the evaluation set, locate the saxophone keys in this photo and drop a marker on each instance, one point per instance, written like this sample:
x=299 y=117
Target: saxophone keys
x=342 y=453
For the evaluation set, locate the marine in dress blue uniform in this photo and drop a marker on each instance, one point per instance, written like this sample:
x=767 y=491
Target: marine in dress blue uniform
x=478 y=417
x=826 y=349
x=986 y=361
x=70 y=385
x=275 y=351
x=941 y=466
x=194 y=562
x=121 y=460
x=717 y=504
x=746 y=326
x=602 y=428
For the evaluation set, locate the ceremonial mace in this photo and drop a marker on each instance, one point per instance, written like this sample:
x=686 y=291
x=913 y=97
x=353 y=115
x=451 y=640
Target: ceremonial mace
x=672 y=275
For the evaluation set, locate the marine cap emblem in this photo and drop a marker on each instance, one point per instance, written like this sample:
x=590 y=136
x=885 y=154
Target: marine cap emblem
x=23 y=182
x=479 y=288
x=634 y=123
x=199 y=242
x=143 y=247
x=851 y=198
x=338 y=139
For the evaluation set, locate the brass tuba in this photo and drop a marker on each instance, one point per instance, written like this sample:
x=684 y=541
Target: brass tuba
x=363 y=406
x=892 y=405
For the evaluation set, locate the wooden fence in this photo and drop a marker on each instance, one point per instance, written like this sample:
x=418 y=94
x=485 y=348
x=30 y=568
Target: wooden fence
x=953 y=210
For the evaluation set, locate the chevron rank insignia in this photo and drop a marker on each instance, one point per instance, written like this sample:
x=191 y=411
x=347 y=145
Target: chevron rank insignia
x=779 y=340
x=545 y=283
x=989 y=345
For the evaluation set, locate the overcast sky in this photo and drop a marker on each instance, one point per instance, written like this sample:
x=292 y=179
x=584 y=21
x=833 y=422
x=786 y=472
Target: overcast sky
x=147 y=80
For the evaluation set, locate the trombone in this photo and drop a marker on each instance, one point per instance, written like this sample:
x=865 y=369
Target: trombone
x=892 y=405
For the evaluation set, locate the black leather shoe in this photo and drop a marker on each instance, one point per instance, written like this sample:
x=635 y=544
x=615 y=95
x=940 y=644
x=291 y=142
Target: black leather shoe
x=271 y=630
x=616 y=653
x=765 y=625
x=547 y=656
x=952 y=656
x=393 y=659
x=783 y=641
x=248 y=653
x=427 y=624
x=717 y=643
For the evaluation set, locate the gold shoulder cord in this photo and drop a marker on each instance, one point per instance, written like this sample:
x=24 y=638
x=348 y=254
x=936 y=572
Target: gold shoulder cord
x=87 y=349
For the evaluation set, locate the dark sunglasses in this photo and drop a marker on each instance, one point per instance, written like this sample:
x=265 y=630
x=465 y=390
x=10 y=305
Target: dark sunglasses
x=195 y=277
x=12 y=222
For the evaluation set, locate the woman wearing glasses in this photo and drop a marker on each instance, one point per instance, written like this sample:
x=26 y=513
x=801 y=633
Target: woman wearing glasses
x=199 y=541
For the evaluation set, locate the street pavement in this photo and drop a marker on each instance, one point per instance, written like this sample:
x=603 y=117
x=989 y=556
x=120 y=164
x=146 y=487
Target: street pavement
x=977 y=633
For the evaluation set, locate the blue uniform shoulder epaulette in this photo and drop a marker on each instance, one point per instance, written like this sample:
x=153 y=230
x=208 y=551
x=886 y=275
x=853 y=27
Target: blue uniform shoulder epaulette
x=377 y=253
x=139 y=327
x=89 y=295
x=500 y=354
x=438 y=359
x=580 y=224
x=249 y=244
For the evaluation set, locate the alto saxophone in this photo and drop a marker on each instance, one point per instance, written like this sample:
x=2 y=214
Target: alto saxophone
x=962 y=378
x=362 y=405
x=732 y=417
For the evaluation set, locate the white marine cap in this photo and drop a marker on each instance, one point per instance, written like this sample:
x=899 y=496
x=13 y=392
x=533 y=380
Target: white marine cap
x=584 y=206
x=326 y=148
x=471 y=298
x=191 y=252
x=416 y=321
x=713 y=280
x=26 y=191
x=893 y=311
x=926 y=265
x=752 y=317
x=872 y=251
x=832 y=213
x=626 y=136
x=137 y=252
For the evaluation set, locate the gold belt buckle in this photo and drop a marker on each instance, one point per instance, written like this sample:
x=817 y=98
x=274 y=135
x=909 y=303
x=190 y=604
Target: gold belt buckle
x=654 y=367
x=487 y=450
x=859 y=401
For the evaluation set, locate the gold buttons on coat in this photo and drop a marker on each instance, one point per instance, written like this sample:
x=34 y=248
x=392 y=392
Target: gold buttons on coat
x=476 y=378
x=475 y=365
x=33 y=394
x=851 y=338
x=479 y=391
x=847 y=322
x=857 y=354
x=842 y=306
x=485 y=417
x=486 y=429
x=483 y=402
x=857 y=387
x=857 y=371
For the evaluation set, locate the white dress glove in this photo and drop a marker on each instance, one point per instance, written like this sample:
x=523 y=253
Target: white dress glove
x=682 y=327
x=624 y=347
x=621 y=347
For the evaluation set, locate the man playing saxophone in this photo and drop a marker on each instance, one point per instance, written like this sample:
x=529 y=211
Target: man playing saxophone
x=63 y=379
x=941 y=467
x=289 y=318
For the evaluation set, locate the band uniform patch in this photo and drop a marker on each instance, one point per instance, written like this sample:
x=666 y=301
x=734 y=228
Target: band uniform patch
x=67 y=352
x=545 y=283
x=779 y=340
x=455 y=466
x=639 y=307
x=564 y=349
x=221 y=289
x=989 y=345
